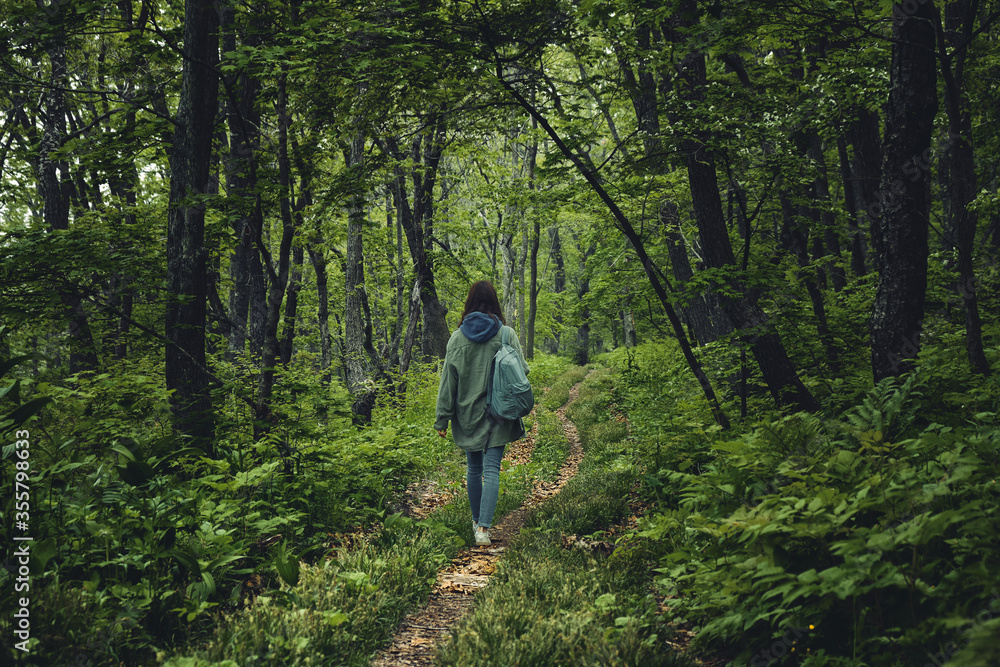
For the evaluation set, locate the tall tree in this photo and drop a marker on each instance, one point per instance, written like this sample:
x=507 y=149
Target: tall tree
x=187 y=278
x=248 y=292
x=55 y=183
x=533 y=242
x=899 y=234
x=763 y=340
x=417 y=221
x=954 y=38
x=360 y=360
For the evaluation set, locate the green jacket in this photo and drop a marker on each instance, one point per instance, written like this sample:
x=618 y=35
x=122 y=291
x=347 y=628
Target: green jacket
x=462 y=393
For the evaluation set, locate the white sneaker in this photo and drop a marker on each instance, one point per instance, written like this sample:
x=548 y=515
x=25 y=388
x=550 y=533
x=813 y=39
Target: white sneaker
x=482 y=537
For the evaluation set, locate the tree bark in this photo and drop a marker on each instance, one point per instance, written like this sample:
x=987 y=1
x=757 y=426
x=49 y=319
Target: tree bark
x=706 y=323
x=864 y=137
x=418 y=225
x=899 y=234
x=827 y=244
x=187 y=277
x=358 y=358
x=248 y=293
x=772 y=358
x=582 y=355
x=852 y=201
x=291 y=306
x=55 y=187
x=533 y=241
x=794 y=236
x=551 y=345
x=962 y=189
x=323 y=308
x=277 y=272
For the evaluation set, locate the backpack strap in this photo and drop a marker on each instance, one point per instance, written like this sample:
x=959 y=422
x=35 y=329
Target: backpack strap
x=489 y=387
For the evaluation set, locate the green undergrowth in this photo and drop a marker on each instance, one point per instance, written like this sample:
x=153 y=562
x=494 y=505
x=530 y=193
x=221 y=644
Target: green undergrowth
x=557 y=389
x=340 y=611
x=867 y=535
x=556 y=601
x=551 y=447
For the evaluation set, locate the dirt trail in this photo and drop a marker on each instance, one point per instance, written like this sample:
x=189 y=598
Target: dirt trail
x=453 y=595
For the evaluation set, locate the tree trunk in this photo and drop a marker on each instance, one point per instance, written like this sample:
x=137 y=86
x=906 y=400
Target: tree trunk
x=794 y=236
x=359 y=363
x=187 y=277
x=248 y=293
x=628 y=328
x=582 y=355
x=277 y=272
x=418 y=225
x=746 y=315
x=558 y=285
x=852 y=202
x=323 y=308
x=55 y=190
x=508 y=292
x=522 y=260
x=962 y=188
x=900 y=232
x=291 y=306
x=826 y=244
x=864 y=138
x=706 y=323
x=536 y=231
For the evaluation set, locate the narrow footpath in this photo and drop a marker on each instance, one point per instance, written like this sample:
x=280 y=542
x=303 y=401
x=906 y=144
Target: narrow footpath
x=453 y=595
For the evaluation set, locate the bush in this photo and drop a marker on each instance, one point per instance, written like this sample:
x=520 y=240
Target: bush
x=870 y=537
x=555 y=605
x=339 y=610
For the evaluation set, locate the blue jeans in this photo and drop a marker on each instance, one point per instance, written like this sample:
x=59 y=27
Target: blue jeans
x=483 y=482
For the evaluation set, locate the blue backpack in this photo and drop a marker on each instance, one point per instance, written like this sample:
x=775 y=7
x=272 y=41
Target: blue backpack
x=508 y=392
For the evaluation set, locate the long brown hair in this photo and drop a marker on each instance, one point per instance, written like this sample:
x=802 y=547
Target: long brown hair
x=483 y=298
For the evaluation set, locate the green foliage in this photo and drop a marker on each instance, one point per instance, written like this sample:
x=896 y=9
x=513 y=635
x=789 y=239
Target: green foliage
x=14 y=412
x=340 y=609
x=150 y=538
x=545 y=369
x=549 y=603
x=551 y=446
x=590 y=502
x=864 y=539
x=555 y=606
x=557 y=388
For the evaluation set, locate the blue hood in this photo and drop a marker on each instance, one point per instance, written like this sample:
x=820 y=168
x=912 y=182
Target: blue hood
x=479 y=327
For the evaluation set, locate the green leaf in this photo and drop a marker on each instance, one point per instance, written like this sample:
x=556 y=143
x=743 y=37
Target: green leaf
x=288 y=568
x=136 y=473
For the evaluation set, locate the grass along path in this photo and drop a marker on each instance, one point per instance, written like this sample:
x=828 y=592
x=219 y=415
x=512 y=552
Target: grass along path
x=418 y=636
x=567 y=591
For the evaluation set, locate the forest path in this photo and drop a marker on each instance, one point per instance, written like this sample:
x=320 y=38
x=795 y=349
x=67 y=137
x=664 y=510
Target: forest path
x=420 y=633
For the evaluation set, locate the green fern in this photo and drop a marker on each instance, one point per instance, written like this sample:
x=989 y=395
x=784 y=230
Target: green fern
x=888 y=409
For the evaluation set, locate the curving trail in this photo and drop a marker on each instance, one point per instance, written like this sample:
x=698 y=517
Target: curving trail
x=453 y=595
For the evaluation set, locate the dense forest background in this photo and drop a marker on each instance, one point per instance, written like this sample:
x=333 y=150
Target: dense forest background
x=236 y=236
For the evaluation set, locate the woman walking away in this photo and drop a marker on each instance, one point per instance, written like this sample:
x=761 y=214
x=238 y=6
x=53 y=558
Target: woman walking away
x=462 y=401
